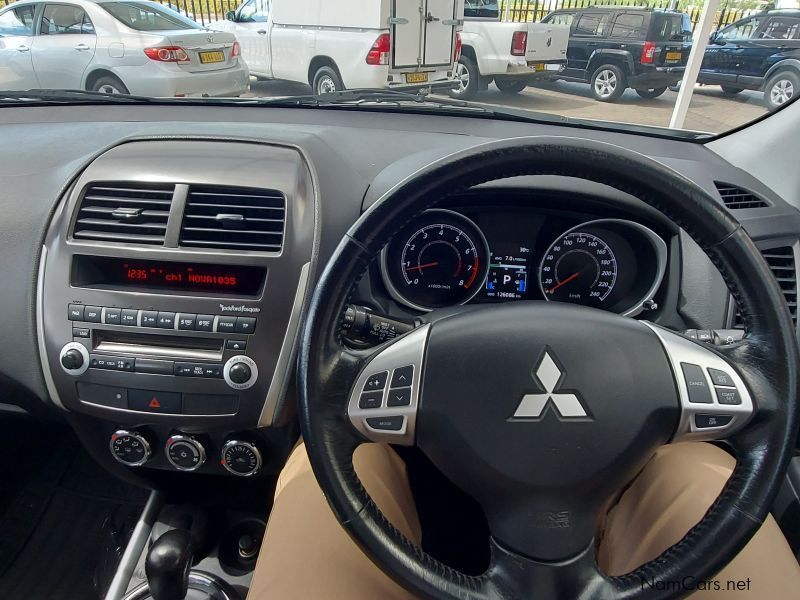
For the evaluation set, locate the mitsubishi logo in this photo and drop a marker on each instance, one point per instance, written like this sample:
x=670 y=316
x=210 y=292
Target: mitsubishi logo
x=549 y=41
x=565 y=404
x=210 y=39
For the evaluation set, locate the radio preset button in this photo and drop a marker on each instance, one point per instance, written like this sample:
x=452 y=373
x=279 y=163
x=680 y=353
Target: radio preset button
x=93 y=314
x=204 y=323
x=113 y=316
x=75 y=312
x=130 y=317
x=166 y=320
x=149 y=318
x=245 y=324
x=186 y=321
x=226 y=324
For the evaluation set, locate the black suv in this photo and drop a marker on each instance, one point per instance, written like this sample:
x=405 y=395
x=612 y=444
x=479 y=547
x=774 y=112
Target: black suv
x=760 y=52
x=614 y=48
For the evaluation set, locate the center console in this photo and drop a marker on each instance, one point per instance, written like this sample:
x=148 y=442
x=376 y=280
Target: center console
x=172 y=284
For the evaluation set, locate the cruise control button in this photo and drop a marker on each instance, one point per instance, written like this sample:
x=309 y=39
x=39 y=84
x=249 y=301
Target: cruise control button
x=154 y=402
x=399 y=397
x=728 y=396
x=166 y=320
x=402 y=376
x=245 y=324
x=75 y=312
x=149 y=318
x=93 y=314
x=721 y=378
x=370 y=400
x=186 y=321
x=130 y=317
x=376 y=382
x=704 y=421
x=113 y=316
x=696 y=383
x=226 y=324
x=394 y=423
x=204 y=323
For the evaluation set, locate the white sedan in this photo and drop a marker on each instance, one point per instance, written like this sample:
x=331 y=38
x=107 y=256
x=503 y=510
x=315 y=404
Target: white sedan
x=116 y=46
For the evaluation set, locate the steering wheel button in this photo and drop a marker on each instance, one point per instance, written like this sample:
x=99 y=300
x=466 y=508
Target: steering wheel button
x=402 y=376
x=705 y=421
x=370 y=400
x=376 y=382
x=728 y=396
x=394 y=423
x=721 y=378
x=399 y=397
x=696 y=383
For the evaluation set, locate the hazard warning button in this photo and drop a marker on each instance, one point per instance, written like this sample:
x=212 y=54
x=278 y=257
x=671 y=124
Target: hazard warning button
x=154 y=401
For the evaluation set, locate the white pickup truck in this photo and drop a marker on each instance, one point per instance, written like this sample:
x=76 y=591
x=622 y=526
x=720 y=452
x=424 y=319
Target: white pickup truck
x=511 y=54
x=338 y=44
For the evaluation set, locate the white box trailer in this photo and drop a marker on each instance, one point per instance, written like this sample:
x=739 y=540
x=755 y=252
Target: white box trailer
x=338 y=44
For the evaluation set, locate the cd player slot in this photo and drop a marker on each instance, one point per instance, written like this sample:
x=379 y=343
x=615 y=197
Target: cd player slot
x=164 y=347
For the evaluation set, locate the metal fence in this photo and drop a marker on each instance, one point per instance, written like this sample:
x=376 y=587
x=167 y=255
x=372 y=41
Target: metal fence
x=208 y=11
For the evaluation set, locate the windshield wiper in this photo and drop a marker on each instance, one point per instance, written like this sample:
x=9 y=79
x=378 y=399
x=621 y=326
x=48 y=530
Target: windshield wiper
x=71 y=97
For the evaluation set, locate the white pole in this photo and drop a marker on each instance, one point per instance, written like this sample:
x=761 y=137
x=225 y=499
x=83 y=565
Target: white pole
x=700 y=41
x=507 y=10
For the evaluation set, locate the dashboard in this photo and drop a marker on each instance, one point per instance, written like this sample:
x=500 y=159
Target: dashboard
x=163 y=260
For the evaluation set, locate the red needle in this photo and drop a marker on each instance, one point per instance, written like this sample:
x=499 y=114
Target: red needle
x=566 y=281
x=418 y=267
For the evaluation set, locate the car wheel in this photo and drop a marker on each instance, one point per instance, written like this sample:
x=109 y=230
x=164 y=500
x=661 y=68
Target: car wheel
x=327 y=81
x=730 y=90
x=467 y=79
x=608 y=83
x=511 y=86
x=108 y=84
x=650 y=94
x=781 y=88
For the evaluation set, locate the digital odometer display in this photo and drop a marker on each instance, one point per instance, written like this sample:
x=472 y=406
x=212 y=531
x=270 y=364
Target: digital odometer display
x=96 y=271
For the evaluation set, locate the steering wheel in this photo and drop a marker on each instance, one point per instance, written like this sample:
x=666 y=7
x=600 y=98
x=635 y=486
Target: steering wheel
x=544 y=411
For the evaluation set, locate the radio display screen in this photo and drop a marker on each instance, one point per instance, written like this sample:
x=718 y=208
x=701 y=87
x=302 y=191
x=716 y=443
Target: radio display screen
x=124 y=273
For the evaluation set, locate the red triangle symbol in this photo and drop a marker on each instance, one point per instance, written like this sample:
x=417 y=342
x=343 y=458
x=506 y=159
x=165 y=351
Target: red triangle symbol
x=154 y=403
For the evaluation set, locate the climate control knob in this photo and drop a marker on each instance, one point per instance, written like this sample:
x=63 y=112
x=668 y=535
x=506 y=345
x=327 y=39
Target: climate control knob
x=240 y=372
x=185 y=453
x=74 y=358
x=130 y=448
x=241 y=458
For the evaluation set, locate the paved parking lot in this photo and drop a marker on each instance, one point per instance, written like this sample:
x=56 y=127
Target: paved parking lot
x=710 y=110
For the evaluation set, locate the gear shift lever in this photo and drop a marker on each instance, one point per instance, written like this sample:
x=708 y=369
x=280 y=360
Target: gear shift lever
x=167 y=565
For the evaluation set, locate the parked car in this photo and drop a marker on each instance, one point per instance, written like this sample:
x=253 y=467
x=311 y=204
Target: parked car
x=615 y=48
x=116 y=46
x=351 y=45
x=761 y=52
x=513 y=55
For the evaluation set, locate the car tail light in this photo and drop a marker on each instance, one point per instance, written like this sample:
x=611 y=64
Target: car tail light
x=518 y=43
x=379 y=53
x=167 y=54
x=648 y=52
x=457 y=51
x=235 y=50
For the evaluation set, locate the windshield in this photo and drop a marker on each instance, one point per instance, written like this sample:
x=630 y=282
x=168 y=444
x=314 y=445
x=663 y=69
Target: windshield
x=621 y=67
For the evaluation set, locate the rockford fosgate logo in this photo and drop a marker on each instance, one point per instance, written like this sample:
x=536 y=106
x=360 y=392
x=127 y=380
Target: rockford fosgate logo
x=239 y=308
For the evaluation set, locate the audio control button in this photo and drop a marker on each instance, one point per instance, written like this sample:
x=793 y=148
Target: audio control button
x=204 y=323
x=111 y=363
x=93 y=314
x=240 y=372
x=81 y=332
x=166 y=320
x=198 y=370
x=239 y=345
x=130 y=317
x=113 y=316
x=75 y=312
x=149 y=318
x=245 y=324
x=74 y=358
x=186 y=321
x=226 y=324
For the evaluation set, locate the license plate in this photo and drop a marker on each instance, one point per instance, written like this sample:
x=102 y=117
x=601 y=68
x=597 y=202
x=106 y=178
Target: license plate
x=416 y=77
x=539 y=67
x=671 y=56
x=212 y=57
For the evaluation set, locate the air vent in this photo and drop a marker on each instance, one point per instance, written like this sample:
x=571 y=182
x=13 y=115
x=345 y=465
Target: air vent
x=737 y=198
x=233 y=218
x=127 y=212
x=781 y=263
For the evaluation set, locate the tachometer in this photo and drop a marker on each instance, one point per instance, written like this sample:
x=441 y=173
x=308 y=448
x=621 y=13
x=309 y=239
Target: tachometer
x=441 y=259
x=578 y=267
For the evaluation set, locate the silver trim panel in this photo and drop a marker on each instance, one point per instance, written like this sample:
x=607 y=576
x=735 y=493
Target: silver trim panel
x=404 y=351
x=682 y=350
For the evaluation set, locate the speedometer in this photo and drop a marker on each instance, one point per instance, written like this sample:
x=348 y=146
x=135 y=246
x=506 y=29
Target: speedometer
x=578 y=267
x=441 y=259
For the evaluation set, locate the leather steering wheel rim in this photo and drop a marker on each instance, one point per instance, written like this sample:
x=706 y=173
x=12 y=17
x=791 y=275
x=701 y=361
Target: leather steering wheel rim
x=766 y=359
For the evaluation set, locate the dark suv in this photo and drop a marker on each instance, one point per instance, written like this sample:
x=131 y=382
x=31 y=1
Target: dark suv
x=614 y=48
x=761 y=52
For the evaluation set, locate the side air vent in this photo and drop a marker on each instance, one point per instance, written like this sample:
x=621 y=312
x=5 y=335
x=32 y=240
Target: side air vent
x=781 y=263
x=736 y=198
x=126 y=212
x=233 y=218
